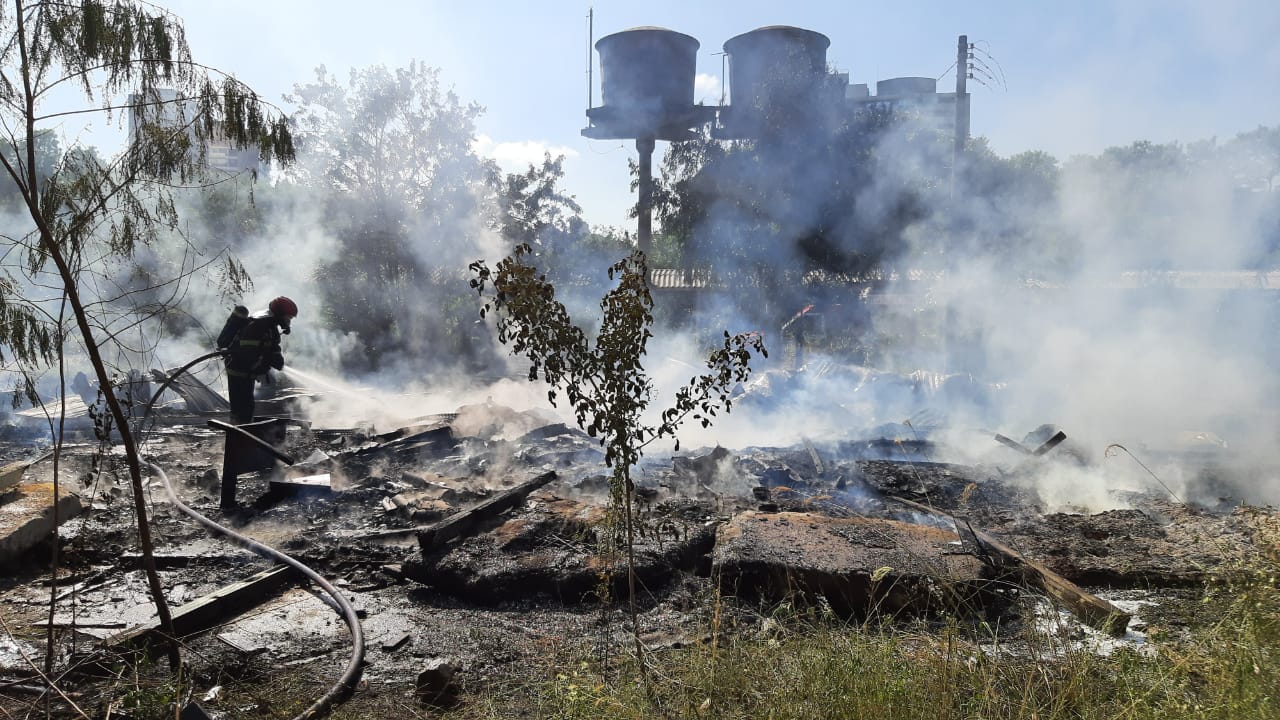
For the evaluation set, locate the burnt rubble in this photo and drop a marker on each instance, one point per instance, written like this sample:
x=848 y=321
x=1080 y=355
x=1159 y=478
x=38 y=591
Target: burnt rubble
x=855 y=564
x=477 y=534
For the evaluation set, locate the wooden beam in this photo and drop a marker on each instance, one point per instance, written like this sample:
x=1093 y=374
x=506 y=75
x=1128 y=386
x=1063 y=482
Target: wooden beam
x=213 y=609
x=1088 y=608
x=468 y=521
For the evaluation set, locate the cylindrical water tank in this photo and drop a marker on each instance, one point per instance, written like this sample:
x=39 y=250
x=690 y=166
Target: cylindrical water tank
x=776 y=77
x=899 y=87
x=646 y=80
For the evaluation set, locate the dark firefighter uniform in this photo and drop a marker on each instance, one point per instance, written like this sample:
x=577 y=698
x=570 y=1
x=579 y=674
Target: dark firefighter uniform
x=252 y=349
x=255 y=349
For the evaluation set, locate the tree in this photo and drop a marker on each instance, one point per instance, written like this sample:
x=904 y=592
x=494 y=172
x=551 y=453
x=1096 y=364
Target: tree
x=392 y=151
x=604 y=381
x=608 y=239
x=1008 y=208
x=394 y=138
x=533 y=210
x=1255 y=157
x=681 y=192
x=48 y=154
x=85 y=212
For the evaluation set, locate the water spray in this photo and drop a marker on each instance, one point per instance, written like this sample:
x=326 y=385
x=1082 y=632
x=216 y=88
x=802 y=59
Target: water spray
x=314 y=380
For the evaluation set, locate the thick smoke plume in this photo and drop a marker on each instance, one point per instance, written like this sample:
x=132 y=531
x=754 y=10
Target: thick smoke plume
x=1125 y=297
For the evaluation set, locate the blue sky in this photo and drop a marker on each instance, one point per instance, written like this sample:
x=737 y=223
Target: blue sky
x=1079 y=76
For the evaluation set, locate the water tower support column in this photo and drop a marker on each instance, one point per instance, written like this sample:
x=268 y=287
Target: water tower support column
x=644 y=209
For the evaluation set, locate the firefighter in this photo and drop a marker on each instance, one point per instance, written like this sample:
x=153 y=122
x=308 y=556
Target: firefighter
x=252 y=351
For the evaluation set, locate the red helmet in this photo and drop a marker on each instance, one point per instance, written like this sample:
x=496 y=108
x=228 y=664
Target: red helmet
x=283 y=307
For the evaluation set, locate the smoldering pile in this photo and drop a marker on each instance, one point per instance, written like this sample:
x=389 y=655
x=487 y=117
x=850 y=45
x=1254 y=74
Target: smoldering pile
x=439 y=528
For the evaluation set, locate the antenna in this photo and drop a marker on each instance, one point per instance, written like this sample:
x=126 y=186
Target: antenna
x=591 y=12
x=723 y=85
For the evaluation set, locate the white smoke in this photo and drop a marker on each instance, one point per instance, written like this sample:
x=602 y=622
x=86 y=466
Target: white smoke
x=1158 y=331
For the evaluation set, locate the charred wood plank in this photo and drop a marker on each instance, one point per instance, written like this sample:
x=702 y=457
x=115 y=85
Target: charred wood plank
x=1045 y=447
x=213 y=609
x=813 y=454
x=1011 y=443
x=1088 y=608
x=467 y=521
x=1050 y=444
x=395 y=642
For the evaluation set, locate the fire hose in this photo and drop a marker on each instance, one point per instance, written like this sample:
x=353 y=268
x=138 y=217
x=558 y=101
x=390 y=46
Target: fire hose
x=339 y=604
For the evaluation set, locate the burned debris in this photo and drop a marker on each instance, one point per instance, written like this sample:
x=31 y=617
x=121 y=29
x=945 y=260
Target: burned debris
x=857 y=565
x=29 y=514
x=948 y=302
x=458 y=518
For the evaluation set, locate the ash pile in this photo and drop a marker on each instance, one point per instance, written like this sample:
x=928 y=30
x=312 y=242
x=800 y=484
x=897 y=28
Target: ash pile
x=478 y=535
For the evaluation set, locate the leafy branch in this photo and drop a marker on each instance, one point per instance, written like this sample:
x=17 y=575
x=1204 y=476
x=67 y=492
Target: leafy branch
x=604 y=381
x=87 y=215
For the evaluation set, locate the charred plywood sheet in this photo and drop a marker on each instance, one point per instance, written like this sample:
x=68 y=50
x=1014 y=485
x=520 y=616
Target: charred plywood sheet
x=27 y=517
x=469 y=520
x=857 y=564
x=11 y=474
x=319 y=484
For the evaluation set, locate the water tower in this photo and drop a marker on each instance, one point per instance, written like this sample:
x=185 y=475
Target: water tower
x=777 y=82
x=647 y=89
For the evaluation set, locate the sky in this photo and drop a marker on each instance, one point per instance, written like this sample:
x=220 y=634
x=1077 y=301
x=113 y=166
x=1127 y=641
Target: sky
x=1070 y=77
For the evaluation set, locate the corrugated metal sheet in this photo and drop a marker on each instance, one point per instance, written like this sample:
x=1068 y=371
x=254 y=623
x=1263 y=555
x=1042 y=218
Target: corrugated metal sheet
x=681 y=279
x=872 y=282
